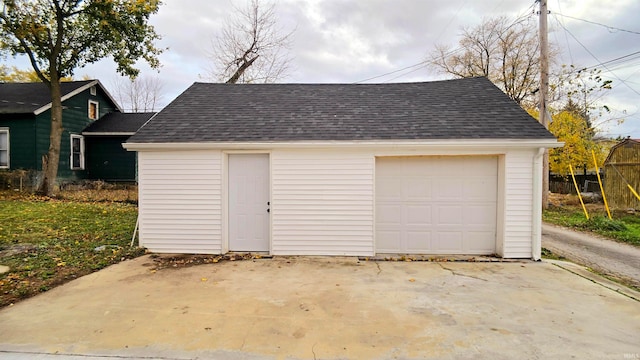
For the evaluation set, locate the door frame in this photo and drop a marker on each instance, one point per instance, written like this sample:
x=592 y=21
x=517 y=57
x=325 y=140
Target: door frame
x=225 y=194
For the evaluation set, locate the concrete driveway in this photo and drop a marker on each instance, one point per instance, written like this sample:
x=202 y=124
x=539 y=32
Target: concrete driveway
x=326 y=308
x=615 y=259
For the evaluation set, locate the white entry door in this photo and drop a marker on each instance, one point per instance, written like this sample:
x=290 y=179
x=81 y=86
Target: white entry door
x=249 y=202
x=436 y=204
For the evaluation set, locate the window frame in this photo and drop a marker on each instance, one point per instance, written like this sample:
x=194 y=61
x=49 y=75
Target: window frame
x=72 y=137
x=8 y=149
x=97 y=106
x=93 y=91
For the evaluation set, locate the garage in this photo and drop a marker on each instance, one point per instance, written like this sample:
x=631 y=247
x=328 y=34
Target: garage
x=356 y=170
x=436 y=204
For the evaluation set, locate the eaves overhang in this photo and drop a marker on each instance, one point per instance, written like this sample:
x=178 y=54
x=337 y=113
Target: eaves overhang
x=378 y=144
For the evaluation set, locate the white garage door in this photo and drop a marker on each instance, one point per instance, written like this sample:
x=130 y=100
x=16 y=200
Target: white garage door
x=436 y=204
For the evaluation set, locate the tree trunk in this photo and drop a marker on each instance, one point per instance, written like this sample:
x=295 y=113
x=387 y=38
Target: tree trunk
x=51 y=160
x=245 y=65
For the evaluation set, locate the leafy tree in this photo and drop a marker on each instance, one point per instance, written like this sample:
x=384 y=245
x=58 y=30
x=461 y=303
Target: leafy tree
x=579 y=140
x=572 y=129
x=505 y=51
x=579 y=91
x=251 y=48
x=14 y=74
x=59 y=36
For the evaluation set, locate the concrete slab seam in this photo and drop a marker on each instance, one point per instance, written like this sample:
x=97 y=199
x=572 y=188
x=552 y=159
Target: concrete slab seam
x=624 y=293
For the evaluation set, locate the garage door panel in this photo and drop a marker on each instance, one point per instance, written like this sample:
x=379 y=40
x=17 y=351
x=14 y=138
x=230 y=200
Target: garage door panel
x=388 y=241
x=387 y=189
x=449 y=189
x=449 y=215
x=418 y=241
x=414 y=166
x=389 y=214
x=483 y=242
x=418 y=215
x=416 y=189
x=480 y=215
x=448 y=242
x=436 y=205
x=480 y=189
x=478 y=165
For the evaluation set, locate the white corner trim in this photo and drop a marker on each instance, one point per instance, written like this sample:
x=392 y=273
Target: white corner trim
x=536 y=221
x=91 y=133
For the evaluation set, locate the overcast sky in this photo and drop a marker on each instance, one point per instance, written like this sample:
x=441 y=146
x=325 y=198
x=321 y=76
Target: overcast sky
x=345 y=41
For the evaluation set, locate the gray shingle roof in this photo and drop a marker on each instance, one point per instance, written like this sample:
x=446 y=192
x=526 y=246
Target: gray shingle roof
x=25 y=98
x=452 y=109
x=116 y=122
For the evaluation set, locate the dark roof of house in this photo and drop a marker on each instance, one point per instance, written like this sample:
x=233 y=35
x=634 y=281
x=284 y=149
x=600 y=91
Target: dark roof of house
x=25 y=98
x=116 y=122
x=471 y=108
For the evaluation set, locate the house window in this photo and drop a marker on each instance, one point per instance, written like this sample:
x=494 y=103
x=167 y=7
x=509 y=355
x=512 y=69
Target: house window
x=77 y=152
x=92 y=90
x=4 y=148
x=94 y=110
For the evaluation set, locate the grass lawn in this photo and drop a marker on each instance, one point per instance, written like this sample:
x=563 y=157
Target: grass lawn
x=624 y=227
x=47 y=242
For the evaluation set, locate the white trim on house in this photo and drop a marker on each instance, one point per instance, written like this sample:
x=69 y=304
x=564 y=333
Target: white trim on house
x=91 y=133
x=90 y=104
x=439 y=145
x=72 y=164
x=8 y=149
x=78 y=91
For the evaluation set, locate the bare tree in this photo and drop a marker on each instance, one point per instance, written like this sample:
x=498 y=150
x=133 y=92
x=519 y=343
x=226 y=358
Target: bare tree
x=251 y=48
x=142 y=94
x=507 y=52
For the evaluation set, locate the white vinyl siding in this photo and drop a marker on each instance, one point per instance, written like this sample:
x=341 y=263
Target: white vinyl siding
x=518 y=197
x=322 y=203
x=322 y=200
x=181 y=201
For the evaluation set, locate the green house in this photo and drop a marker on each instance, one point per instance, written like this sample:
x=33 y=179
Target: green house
x=105 y=158
x=25 y=117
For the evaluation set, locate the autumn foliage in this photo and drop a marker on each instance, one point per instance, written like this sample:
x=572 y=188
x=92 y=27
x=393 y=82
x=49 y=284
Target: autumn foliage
x=577 y=136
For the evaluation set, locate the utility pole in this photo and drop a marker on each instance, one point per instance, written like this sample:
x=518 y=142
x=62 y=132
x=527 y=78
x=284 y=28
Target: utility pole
x=544 y=88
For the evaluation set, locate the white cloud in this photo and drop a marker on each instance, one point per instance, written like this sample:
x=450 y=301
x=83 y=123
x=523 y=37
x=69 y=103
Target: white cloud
x=351 y=40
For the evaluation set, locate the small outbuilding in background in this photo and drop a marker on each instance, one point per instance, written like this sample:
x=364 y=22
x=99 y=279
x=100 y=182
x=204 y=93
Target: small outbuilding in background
x=621 y=170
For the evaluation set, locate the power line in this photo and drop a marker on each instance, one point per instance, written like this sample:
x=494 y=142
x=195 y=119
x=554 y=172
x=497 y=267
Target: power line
x=451 y=20
x=596 y=23
x=521 y=17
x=600 y=62
x=392 y=72
x=566 y=38
x=614 y=60
x=405 y=74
